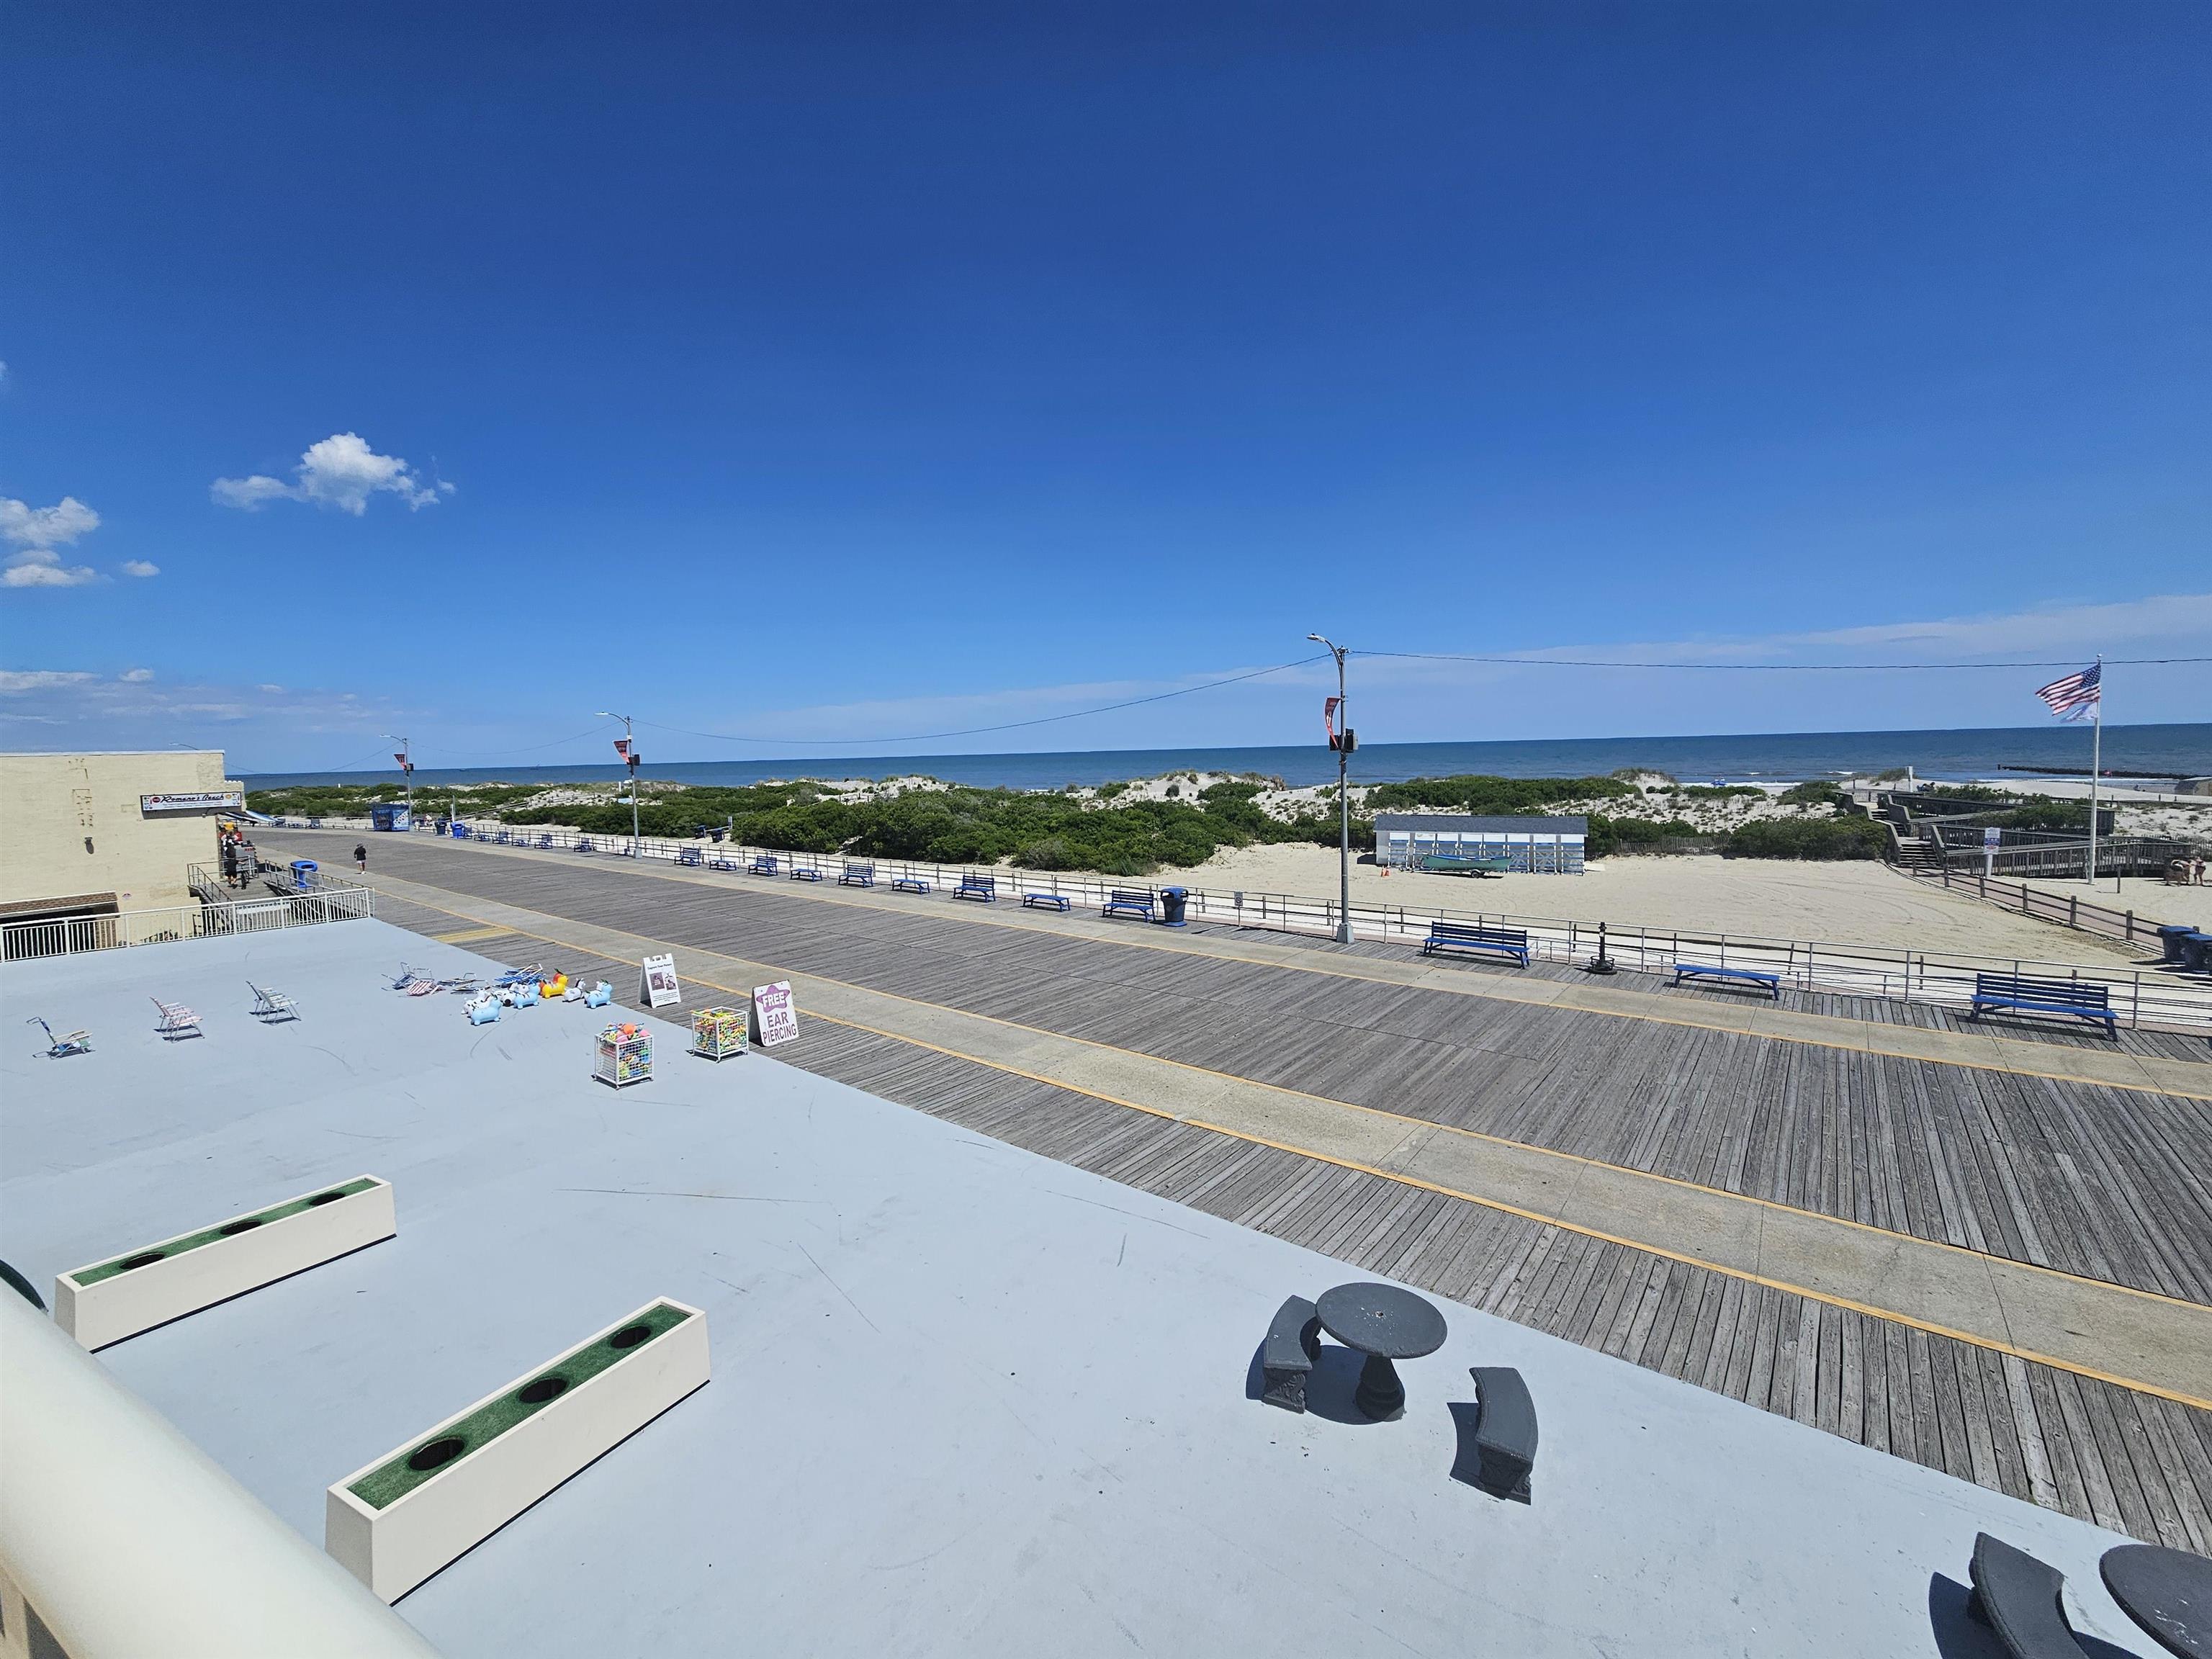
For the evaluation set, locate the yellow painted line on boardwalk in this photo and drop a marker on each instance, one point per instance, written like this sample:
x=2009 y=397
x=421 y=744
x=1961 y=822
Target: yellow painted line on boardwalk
x=1788 y=1287
x=469 y=935
x=976 y=917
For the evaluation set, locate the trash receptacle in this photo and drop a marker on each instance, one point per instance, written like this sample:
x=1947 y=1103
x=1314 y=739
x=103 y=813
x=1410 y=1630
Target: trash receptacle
x=1172 y=900
x=2170 y=938
x=303 y=874
x=2197 y=953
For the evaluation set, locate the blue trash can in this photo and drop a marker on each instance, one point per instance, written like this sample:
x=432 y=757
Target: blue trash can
x=303 y=874
x=1172 y=900
x=2170 y=938
x=2197 y=953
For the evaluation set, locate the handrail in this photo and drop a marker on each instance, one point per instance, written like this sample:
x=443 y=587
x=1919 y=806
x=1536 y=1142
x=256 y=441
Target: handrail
x=127 y=1539
x=331 y=901
x=1941 y=978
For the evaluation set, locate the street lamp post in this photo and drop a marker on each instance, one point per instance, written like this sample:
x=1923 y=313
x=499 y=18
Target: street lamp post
x=405 y=759
x=630 y=759
x=1343 y=797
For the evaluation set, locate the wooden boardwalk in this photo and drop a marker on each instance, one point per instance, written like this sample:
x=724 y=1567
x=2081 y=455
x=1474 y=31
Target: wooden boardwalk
x=2106 y=1182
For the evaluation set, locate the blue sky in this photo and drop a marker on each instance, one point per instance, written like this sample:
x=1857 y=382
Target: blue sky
x=831 y=371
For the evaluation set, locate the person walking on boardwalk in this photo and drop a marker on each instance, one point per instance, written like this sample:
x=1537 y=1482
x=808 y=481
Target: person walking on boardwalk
x=360 y=857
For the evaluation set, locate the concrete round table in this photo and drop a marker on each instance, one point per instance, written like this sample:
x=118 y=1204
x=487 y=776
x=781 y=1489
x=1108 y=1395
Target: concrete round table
x=1384 y=1323
x=2167 y=1592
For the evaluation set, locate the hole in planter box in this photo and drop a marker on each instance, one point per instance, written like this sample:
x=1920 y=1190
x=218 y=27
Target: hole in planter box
x=545 y=1389
x=629 y=1336
x=437 y=1453
x=143 y=1259
x=232 y=1229
x=326 y=1198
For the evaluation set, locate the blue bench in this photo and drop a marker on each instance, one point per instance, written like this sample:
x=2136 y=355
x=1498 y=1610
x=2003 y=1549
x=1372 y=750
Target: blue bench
x=1127 y=901
x=1458 y=936
x=545 y=841
x=985 y=888
x=764 y=865
x=1044 y=901
x=690 y=855
x=908 y=885
x=1710 y=970
x=2045 y=996
x=718 y=862
x=857 y=875
x=805 y=872
x=584 y=844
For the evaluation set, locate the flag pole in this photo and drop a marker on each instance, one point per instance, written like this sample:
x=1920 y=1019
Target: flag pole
x=2096 y=766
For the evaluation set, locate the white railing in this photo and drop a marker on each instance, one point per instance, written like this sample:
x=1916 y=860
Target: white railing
x=2140 y=997
x=332 y=901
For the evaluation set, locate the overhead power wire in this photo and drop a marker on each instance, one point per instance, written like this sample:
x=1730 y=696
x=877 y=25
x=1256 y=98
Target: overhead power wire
x=1764 y=668
x=1007 y=726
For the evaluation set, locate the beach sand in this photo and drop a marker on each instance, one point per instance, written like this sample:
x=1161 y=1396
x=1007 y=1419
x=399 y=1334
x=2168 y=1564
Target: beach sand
x=1843 y=904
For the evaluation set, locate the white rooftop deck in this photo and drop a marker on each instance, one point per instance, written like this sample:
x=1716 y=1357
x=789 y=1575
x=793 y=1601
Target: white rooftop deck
x=965 y=1399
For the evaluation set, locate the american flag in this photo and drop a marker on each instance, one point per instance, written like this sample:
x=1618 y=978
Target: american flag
x=2075 y=696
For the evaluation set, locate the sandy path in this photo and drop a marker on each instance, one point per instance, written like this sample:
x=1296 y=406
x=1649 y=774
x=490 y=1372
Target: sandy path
x=1857 y=903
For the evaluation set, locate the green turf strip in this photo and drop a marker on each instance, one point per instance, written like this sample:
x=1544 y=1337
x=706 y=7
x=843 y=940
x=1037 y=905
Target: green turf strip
x=394 y=1479
x=193 y=1241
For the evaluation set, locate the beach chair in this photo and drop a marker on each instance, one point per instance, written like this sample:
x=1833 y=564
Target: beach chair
x=269 y=1007
x=405 y=978
x=61 y=1048
x=423 y=988
x=177 y=1021
x=459 y=984
x=529 y=973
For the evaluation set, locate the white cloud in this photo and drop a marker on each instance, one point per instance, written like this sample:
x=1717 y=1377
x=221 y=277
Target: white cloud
x=15 y=681
x=135 y=676
x=140 y=567
x=40 y=567
x=58 y=526
x=272 y=689
x=36 y=533
x=341 y=471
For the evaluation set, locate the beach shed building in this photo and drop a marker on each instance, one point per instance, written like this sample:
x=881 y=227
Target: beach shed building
x=1541 y=845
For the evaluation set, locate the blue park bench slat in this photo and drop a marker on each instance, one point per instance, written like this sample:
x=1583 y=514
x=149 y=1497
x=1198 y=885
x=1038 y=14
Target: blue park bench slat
x=805 y=872
x=985 y=888
x=908 y=885
x=764 y=865
x=857 y=875
x=1713 y=970
x=1127 y=901
x=1458 y=936
x=718 y=862
x=690 y=855
x=2045 y=996
x=1044 y=901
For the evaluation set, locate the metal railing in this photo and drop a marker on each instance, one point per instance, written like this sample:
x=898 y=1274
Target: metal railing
x=332 y=901
x=2147 y=996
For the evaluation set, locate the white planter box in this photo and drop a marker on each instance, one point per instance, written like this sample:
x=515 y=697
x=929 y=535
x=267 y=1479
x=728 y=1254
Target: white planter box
x=400 y=1520
x=106 y=1301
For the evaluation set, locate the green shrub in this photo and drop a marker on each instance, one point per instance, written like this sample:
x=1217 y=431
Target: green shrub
x=1809 y=838
x=1816 y=792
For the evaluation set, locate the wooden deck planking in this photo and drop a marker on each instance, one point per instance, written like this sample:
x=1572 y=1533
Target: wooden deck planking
x=2111 y=1188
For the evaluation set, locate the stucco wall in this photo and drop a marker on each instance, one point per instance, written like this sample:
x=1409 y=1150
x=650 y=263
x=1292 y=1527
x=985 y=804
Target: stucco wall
x=53 y=805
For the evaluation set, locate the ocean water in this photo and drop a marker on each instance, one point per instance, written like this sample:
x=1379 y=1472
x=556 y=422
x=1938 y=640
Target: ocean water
x=1791 y=756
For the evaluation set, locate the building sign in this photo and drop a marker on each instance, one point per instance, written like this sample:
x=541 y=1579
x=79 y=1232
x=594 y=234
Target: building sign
x=206 y=800
x=775 y=1016
x=657 y=980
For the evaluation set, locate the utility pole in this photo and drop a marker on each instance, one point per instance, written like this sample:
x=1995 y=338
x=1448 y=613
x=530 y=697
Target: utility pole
x=2096 y=766
x=627 y=749
x=1342 y=744
x=405 y=758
